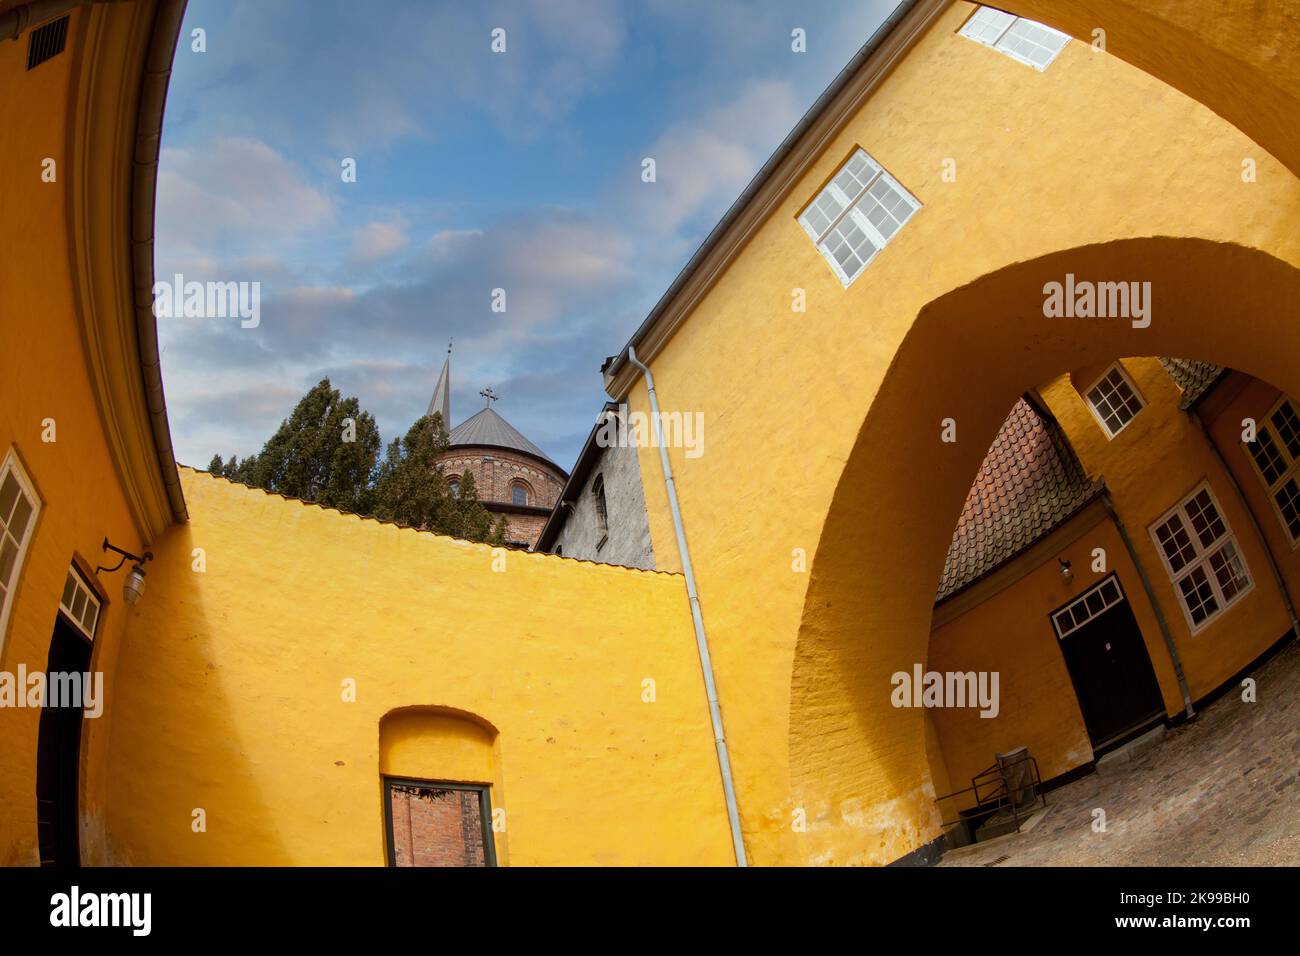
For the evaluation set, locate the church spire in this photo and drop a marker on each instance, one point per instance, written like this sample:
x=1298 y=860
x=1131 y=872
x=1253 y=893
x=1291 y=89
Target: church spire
x=441 y=401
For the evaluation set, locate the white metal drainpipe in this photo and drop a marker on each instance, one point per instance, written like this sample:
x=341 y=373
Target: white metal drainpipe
x=697 y=618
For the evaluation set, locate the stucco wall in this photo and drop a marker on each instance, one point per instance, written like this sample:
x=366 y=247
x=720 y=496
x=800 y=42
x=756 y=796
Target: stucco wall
x=628 y=538
x=43 y=374
x=228 y=695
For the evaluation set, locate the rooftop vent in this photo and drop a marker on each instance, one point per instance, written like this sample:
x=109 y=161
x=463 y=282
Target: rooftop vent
x=46 y=41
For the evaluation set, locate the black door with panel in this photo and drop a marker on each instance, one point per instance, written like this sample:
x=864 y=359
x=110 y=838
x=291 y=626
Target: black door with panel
x=1112 y=674
x=58 y=753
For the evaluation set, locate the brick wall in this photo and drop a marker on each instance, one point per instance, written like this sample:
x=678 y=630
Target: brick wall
x=496 y=472
x=433 y=827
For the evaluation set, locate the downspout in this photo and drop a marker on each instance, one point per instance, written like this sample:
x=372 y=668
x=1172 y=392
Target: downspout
x=1155 y=605
x=1254 y=522
x=697 y=618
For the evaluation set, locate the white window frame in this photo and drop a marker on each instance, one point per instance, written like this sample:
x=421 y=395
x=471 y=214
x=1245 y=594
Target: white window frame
x=1111 y=581
x=852 y=208
x=998 y=42
x=1201 y=558
x=1290 y=472
x=1128 y=379
x=68 y=605
x=13 y=466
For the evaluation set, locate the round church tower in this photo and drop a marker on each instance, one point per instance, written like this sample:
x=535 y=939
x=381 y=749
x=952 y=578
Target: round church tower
x=513 y=476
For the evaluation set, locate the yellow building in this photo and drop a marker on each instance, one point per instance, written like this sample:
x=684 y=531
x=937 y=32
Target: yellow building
x=883 y=282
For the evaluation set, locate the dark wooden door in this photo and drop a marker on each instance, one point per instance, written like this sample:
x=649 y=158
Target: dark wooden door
x=1112 y=674
x=58 y=754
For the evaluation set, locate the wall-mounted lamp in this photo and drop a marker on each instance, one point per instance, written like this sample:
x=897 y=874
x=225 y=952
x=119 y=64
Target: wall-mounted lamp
x=1067 y=573
x=133 y=586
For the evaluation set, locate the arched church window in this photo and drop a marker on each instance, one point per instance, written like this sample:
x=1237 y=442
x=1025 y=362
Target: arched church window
x=518 y=495
x=454 y=484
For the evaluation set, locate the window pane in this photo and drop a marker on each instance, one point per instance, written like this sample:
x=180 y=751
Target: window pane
x=1229 y=571
x=1198 y=595
x=1034 y=42
x=1205 y=519
x=986 y=25
x=1288 y=428
x=1114 y=401
x=1267 y=456
x=1176 y=543
x=8 y=557
x=8 y=495
x=22 y=513
x=69 y=588
x=1288 y=503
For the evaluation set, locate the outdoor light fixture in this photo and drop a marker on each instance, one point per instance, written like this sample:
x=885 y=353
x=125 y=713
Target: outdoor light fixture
x=1067 y=573
x=133 y=586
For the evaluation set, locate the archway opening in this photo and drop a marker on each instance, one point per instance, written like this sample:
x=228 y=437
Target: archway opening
x=864 y=769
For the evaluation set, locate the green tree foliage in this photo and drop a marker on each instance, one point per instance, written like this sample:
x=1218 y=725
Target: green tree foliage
x=407 y=490
x=327 y=451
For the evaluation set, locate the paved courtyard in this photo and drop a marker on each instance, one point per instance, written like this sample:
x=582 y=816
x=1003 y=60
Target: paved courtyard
x=1220 y=790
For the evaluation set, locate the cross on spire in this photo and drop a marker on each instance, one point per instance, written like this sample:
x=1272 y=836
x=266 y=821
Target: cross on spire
x=490 y=395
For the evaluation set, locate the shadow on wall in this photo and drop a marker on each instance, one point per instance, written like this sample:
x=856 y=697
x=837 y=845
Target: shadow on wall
x=859 y=766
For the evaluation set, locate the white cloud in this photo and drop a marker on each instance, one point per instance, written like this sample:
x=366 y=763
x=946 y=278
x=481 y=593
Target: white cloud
x=377 y=241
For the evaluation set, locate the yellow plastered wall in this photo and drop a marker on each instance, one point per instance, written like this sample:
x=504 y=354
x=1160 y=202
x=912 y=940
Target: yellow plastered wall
x=230 y=694
x=1150 y=466
x=1011 y=632
x=786 y=396
x=43 y=377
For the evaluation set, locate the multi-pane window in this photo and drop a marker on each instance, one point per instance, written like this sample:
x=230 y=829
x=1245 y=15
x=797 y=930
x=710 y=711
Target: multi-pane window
x=1114 y=400
x=19 y=507
x=80 y=604
x=518 y=495
x=1028 y=41
x=857 y=213
x=1201 y=555
x=1276 y=453
x=1090 y=604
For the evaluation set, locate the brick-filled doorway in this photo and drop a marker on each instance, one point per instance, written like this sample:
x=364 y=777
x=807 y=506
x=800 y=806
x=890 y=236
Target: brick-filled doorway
x=430 y=823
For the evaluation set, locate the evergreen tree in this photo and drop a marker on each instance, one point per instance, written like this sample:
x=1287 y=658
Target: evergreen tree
x=327 y=452
x=410 y=490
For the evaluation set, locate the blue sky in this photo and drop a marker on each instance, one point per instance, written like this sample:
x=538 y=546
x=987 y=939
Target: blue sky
x=475 y=171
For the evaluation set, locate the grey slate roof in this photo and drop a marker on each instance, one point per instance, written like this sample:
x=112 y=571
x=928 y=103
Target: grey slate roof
x=489 y=428
x=1030 y=482
x=1194 y=378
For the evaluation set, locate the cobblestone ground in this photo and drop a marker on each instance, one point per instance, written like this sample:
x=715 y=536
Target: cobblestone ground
x=1221 y=790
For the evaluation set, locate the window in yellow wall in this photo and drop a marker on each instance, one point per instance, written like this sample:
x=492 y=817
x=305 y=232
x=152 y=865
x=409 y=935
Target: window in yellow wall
x=19 y=507
x=856 y=215
x=1276 y=454
x=1114 y=400
x=1032 y=43
x=1200 y=554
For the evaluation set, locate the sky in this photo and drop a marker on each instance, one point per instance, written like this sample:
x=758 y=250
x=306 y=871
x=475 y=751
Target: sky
x=475 y=170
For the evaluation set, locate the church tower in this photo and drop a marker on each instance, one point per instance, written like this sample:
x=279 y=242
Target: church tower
x=514 y=477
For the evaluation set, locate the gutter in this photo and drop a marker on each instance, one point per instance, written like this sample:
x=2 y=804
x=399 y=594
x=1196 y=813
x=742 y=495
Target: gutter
x=615 y=363
x=1254 y=522
x=697 y=617
x=144 y=189
x=1155 y=605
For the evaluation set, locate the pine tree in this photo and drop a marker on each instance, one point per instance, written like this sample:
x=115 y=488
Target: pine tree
x=310 y=457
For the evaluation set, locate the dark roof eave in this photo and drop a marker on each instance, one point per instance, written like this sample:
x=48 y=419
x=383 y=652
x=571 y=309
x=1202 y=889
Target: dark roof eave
x=612 y=364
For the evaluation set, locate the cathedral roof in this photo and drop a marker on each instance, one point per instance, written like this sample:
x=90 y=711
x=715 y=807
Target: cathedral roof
x=489 y=428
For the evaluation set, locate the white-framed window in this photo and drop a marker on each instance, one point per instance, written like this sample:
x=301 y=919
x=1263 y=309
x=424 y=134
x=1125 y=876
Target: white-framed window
x=80 y=603
x=1200 y=554
x=1088 y=605
x=1114 y=400
x=1032 y=43
x=856 y=214
x=1276 y=454
x=19 y=508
